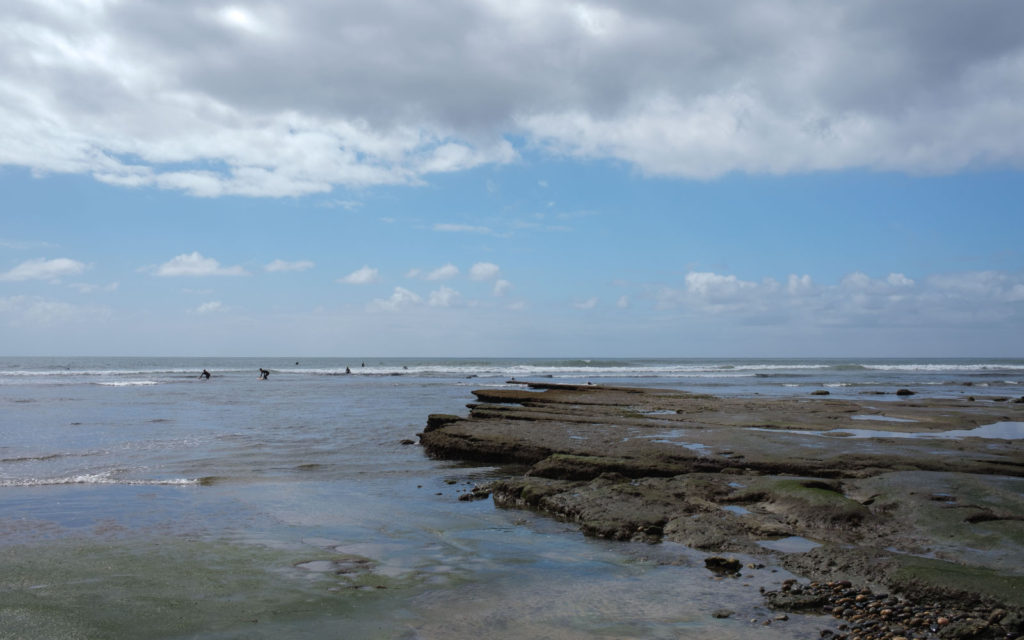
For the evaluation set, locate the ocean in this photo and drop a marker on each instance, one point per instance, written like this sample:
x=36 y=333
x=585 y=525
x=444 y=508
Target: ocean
x=138 y=500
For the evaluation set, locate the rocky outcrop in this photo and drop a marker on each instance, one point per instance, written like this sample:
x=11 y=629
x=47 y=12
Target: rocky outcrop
x=782 y=478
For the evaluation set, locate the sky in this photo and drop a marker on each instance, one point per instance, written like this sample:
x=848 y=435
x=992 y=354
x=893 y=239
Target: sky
x=534 y=178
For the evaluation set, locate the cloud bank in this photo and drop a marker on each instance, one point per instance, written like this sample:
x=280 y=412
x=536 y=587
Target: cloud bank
x=956 y=299
x=290 y=98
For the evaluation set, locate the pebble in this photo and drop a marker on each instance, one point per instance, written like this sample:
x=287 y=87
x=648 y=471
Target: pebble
x=879 y=616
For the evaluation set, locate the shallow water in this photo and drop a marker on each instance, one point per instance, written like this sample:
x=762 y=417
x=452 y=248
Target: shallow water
x=880 y=418
x=789 y=544
x=137 y=500
x=995 y=431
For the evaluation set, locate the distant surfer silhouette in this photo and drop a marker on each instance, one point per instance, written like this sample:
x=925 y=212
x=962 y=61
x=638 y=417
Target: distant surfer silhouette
x=205 y=375
x=347 y=370
x=264 y=374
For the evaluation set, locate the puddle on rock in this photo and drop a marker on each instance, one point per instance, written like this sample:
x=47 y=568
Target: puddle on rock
x=880 y=418
x=735 y=508
x=997 y=431
x=792 y=544
x=669 y=438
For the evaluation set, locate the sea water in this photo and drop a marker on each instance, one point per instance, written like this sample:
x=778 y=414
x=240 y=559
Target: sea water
x=139 y=500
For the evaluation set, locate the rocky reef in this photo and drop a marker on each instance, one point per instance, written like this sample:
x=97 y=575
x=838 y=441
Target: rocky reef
x=915 y=497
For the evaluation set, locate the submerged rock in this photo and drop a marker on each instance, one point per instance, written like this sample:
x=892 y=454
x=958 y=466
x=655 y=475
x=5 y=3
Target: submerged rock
x=718 y=564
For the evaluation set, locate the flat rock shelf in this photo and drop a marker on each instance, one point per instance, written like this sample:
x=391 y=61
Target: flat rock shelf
x=894 y=500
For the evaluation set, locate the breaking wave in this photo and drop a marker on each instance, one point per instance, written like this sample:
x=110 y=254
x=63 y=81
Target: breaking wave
x=94 y=479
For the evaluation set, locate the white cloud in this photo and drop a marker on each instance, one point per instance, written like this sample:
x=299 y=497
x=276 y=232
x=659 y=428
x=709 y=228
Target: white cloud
x=194 y=264
x=856 y=280
x=713 y=285
x=443 y=273
x=501 y=287
x=622 y=302
x=484 y=271
x=586 y=304
x=83 y=287
x=22 y=245
x=210 y=307
x=364 y=275
x=986 y=285
x=283 y=265
x=797 y=285
x=43 y=269
x=899 y=280
x=444 y=297
x=126 y=92
x=34 y=311
x=856 y=300
x=348 y=205
x=399 y=299
x=239 y=18
x=461 y=228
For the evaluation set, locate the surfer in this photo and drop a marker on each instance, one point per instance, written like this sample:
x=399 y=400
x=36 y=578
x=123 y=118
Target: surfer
x=205 y=375
x=347 y=370
x=264 y=374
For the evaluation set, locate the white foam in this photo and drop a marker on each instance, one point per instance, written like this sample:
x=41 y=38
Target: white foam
x=945 y=367
x=95 y=372
x=568 y=370
x=93 y=479
x=130 y=383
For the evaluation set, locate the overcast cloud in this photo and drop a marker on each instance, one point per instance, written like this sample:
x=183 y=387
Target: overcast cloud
x=267 y=98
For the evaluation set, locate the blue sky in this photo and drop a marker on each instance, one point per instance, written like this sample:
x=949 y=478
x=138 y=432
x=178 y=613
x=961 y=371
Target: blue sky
x=511 y=179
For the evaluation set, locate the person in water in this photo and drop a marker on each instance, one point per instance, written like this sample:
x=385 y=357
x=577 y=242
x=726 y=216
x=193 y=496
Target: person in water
x=205 y=375
x=264 y=374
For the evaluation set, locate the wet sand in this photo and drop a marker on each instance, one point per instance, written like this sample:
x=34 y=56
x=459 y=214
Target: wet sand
x=873 y=496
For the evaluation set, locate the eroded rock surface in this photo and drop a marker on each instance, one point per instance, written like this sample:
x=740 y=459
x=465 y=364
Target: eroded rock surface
x=910 y=509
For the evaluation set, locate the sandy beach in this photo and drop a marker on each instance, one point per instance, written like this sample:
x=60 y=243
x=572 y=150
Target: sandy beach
x=899 y=519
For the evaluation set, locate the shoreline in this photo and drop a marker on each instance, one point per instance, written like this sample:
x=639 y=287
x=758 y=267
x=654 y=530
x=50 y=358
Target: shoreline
x=936 y=522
